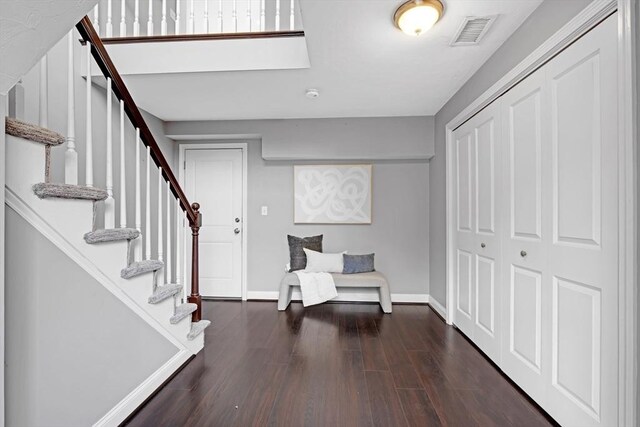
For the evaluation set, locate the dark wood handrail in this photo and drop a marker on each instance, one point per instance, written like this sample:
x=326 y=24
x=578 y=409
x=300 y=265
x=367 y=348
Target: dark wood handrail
x=202 y=37
x=99 y=52
x=100 y=55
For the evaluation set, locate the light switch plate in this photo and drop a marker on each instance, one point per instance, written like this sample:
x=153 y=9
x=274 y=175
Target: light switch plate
x=264 y=211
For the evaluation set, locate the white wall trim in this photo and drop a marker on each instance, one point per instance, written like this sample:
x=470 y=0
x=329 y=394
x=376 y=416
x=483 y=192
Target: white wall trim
x=628 y=169
x=439 y=308
x=40 y=224
x=134 y=399
x=245 y=217
x=4 y=111
x=345 y=296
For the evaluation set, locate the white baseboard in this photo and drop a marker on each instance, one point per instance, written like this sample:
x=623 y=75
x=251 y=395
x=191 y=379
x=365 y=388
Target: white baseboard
x=438 y=307
x=363 y=295
x=134 y=399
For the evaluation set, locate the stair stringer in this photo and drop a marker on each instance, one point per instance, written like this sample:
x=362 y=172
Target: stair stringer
x=64 y=223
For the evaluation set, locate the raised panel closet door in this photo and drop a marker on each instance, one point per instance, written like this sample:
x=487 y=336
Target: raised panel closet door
x=583 y=248
x=487 y=230
x=524 y=316
x=464 y=201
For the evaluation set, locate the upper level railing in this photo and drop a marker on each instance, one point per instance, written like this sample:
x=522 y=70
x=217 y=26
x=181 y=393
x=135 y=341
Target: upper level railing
x=136 y=19
x=117 y=87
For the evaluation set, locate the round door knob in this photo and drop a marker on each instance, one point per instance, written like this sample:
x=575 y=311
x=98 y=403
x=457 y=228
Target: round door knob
x=237 y=219
x=237 y=231
x=523 y=254
x=482 y=245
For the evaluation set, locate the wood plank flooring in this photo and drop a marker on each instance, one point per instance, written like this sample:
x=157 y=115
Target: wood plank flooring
x=335 y=365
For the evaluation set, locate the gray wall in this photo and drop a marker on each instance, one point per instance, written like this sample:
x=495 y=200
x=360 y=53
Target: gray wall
x=375 y=138
x=399 y=233
x=3 y=112
x=539 y=26
x=73 y=349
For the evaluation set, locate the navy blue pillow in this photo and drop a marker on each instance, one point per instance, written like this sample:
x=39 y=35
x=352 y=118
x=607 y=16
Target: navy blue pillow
x=357 y=263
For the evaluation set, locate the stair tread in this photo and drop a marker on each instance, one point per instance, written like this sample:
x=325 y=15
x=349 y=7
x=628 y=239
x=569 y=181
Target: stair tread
x=197 y=328
x=163 y=292
x=182 y=312
x=67 y=191
x=35 y=133
x=141 y=267
x=111 y=235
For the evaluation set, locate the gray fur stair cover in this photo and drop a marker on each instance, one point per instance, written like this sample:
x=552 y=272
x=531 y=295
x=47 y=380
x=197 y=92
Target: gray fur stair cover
x=163 y=292
x=111 y=235
x=67 y=191
x=183 y=311
x=138 y=268
x=32 y=132
x=197 y=328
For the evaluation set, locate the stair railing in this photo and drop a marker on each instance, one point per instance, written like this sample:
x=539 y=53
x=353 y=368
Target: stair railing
x=117 y=87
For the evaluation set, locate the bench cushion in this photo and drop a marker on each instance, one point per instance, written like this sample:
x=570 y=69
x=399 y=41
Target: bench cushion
x=373 y=279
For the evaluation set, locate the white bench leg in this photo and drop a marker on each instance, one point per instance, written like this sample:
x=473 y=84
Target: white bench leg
x=385 y=298
x=285 y=296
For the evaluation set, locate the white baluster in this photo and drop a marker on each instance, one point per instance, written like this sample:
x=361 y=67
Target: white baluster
x=177 y=17
x=123 y=19
x=191 y=22
x=150 y=20
x=123 y=182
x=89 y=135
x=277 y=15
x=44 y=92
x=205 y=17
x=234 y=16
x=163 y=23
x=147 y=204
x=160 y=221
x=262 y=15
x=109 y=26
x=71 y=156
x=249 y=14
x=138 y=217
x=220 y=20
x=292 y=13
x=136 y=19
x=109 y=203
x=96 y=19
x=169 y=259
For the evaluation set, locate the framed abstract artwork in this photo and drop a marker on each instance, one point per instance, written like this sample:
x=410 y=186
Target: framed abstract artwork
x=332 y=194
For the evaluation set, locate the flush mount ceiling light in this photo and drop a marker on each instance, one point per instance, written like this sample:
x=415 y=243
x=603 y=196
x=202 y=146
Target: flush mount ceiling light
x=417 y=16
x=312 y=93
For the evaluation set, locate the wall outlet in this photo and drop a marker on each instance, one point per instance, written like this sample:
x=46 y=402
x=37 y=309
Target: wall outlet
x=264 y=211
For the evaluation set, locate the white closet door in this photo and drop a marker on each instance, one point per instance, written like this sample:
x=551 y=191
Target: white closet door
x=478 y=252
x=583 y=217
x=525 y=317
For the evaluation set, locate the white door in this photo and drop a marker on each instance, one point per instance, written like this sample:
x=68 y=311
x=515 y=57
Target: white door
x=478 y=259
x=582 y=205
x=560 y=302
x=213 y=178
x=525 y=139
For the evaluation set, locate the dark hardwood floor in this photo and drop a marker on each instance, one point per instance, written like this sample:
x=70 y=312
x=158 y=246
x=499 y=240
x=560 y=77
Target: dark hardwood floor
x=335 y=365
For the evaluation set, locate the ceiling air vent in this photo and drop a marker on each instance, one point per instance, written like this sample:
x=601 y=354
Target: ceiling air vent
x=472 y=30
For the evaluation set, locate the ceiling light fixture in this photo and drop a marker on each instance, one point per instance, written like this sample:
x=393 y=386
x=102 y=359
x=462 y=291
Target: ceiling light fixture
x=417 y=16
x=312 y=93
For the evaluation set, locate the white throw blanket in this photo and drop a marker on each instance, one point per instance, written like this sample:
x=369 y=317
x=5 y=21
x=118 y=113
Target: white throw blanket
x=316 y=288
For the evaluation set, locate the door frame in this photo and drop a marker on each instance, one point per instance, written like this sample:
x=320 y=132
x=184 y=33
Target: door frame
x=584 y=21
x=211 y=146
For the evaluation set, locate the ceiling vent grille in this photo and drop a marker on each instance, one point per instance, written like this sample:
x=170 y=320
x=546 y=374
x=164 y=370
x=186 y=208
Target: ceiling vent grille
x=472 y=30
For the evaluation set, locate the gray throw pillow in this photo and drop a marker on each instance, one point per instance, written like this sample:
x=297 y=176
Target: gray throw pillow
x=358 y=263
x=297 y=257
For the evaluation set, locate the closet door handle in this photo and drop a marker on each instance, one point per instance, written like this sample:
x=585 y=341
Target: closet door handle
x=482 y=245
x=523 y=254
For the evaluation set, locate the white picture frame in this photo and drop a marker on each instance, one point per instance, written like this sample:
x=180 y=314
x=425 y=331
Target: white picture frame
x=333 y=194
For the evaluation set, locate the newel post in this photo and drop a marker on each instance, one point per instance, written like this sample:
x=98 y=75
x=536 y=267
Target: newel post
x=195 y=276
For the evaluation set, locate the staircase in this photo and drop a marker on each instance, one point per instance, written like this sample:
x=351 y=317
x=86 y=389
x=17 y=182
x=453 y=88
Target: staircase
x=80 y=219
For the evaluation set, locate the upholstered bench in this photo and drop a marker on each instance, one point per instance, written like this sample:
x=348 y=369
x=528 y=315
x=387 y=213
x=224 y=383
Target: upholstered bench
x=373 y=279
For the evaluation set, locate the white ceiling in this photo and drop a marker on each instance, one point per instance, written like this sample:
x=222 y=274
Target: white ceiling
x=361 y=64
